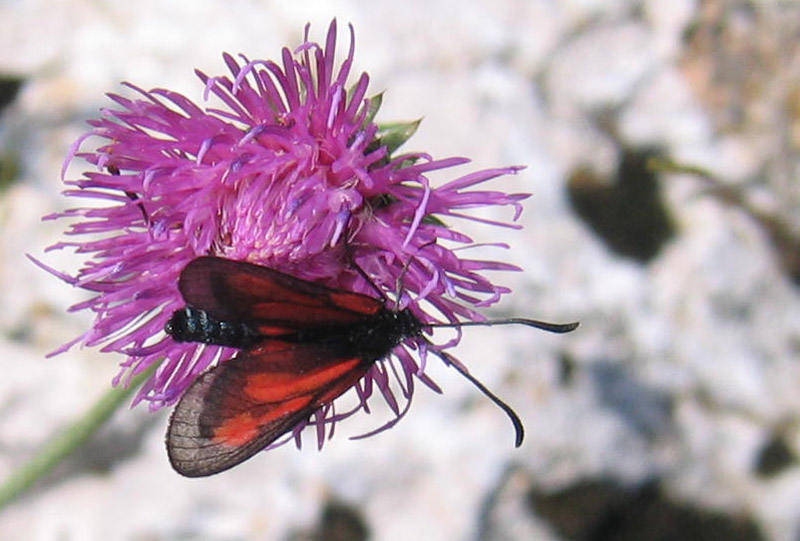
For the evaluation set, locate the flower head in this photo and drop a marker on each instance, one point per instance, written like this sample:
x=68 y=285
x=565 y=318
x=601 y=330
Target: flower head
x=289 y=171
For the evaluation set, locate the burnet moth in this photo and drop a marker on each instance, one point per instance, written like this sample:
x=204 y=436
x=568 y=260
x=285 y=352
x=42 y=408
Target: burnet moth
x=302 y=346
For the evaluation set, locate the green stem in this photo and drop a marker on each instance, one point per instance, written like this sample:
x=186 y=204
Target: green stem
x=69 y=440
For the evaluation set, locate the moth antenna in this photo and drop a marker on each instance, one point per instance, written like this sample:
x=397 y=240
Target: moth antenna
x=559 y=328
x=519 y=429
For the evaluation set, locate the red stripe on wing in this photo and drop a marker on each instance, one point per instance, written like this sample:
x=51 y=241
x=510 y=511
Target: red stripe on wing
x=239 y=291
x=236 y=409
x=248 y=427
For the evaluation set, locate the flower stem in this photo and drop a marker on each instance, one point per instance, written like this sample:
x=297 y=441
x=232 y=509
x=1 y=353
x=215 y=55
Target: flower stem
x=69 y=440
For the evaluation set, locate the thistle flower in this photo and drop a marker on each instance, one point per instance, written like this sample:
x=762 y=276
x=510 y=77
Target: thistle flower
x=291 y=172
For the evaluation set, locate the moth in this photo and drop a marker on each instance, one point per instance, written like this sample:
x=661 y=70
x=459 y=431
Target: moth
x=301 y=344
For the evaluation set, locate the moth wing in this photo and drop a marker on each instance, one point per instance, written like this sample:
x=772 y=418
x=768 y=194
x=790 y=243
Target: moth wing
x=240 y=291
x=238 y=408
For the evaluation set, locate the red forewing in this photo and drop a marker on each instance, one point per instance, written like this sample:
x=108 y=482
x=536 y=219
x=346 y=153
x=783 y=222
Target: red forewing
x=238 y=291
x=236 y=409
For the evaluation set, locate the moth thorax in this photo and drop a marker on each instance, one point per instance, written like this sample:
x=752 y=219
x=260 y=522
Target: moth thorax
x=383 y=332
x=193 y=325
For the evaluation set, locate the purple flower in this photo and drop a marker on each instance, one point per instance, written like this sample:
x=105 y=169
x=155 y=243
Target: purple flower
x=278 y=174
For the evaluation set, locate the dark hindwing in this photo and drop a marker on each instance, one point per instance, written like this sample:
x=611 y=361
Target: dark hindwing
x=277 y=302
x=240 y=407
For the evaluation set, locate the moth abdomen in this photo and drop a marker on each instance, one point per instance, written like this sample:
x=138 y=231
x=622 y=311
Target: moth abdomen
x=194 y=325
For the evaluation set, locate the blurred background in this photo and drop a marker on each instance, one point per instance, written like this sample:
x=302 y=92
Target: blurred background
x=673 y=412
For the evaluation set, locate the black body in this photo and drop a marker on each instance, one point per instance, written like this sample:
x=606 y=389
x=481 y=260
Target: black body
x=194 y=325
x=371 y=339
